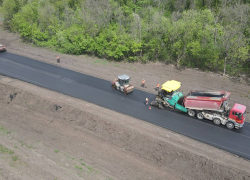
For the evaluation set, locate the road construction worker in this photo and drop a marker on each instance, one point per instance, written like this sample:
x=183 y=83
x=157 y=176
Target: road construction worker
x=146 y=101
x=58 y=59
x=157 y=87
x=143 y=83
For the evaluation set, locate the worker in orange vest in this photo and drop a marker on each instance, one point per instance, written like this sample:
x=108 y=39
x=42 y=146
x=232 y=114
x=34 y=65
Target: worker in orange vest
x=157 y=87
x=143 y=83
x=58 y=59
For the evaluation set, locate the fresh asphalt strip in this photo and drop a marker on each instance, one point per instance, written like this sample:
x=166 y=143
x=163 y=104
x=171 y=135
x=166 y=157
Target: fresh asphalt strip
x=99 y=92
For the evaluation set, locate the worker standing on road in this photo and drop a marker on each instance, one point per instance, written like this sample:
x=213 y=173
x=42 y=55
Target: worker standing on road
x=58 y=59
x=143 y=83
x=157 y=87
x=146 y=101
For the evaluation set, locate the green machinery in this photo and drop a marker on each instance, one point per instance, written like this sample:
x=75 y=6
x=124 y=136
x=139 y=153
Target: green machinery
x=169 y=96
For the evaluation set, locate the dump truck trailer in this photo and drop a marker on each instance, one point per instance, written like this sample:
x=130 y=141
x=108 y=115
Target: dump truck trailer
x=207 y=100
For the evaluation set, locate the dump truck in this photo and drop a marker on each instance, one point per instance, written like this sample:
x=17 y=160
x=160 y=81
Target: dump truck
x=211 y=105
x=214 y=105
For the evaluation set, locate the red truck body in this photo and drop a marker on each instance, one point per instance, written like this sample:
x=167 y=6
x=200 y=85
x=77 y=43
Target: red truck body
x=238 y=113
x=206 y=100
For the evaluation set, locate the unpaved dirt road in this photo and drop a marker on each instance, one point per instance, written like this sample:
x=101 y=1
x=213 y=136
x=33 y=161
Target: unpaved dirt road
x=47 y=135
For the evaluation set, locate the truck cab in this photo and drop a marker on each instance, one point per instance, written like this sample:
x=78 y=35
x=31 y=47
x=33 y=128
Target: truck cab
x=237 y=115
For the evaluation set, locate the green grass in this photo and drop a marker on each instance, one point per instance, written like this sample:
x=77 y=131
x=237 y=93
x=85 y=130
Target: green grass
x=56 y=151
x=100 y=61
x=30 y=146
x=2 y=129
x=90 y=168
x=78 y=167
x=3 y=149
x=12 y=164
x=14 y=158
x=27 y=146
x=97 y=61
x=83 y=164
x=72 y=158
x=11 y=152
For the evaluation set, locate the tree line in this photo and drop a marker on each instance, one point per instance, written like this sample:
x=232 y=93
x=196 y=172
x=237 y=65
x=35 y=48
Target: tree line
x=210 y=35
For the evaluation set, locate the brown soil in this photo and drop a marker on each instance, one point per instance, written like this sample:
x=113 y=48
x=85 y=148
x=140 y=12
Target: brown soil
x=58 y=137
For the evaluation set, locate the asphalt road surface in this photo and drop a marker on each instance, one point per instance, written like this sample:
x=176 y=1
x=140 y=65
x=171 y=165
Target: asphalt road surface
x=100 y=92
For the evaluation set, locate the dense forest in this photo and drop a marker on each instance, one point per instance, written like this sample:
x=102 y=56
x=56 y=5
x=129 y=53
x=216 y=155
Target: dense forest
x=211 y=35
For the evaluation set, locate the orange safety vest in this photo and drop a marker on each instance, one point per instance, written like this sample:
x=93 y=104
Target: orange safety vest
x=143 y=81
x=158 y=85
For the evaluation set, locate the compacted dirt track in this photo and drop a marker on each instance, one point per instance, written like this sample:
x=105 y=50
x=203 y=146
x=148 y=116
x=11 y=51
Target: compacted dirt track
x=47 y=135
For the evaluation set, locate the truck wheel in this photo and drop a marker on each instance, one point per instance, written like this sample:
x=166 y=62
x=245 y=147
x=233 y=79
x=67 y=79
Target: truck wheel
x=217 y=121
x=230 y=125
x=125 y=92
x=191 y=113
x=113 y=86
x=200 y=115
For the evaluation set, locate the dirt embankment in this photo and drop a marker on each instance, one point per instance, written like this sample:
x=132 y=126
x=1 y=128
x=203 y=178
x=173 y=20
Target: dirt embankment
x=60 y=134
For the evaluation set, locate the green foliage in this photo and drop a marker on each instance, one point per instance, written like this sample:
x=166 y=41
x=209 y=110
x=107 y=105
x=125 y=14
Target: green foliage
x=188 y=33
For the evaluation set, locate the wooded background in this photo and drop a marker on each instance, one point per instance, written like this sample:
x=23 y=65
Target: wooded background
x=211 y=35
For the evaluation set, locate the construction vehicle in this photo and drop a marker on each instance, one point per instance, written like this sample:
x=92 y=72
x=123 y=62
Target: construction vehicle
x=168 y=95
x=122 y=84
x=2 y=48
x=215 y=106
x=204 y=104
